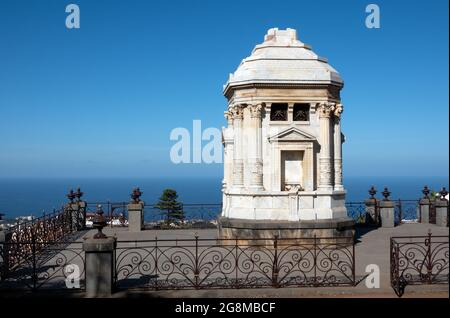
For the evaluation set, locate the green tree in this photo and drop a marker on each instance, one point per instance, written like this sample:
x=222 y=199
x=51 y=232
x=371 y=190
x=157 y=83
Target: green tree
x=168 y=202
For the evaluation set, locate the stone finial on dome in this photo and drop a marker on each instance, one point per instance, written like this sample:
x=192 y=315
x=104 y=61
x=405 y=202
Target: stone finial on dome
x=288 y=36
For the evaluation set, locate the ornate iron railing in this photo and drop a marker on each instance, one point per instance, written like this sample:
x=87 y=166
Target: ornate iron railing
x=113 y=211
x=418 y=260
x=403 y=210
x=47 y=227
x=229 y=263
x=205 y=215
x=54 y=227
x=50 y=265
x=406 y=210
x=357 y=211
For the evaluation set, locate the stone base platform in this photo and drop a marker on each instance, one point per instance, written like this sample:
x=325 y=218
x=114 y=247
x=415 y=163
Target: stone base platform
x=339 y=231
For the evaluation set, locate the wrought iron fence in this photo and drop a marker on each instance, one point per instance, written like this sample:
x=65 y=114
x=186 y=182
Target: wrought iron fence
x=47 y=227
x=357 y=211
x=203 y=215
x=418 y=260
x=228 y=263
x=406 y=210
x=39 y=233
x=116 y=213
x=49 y=265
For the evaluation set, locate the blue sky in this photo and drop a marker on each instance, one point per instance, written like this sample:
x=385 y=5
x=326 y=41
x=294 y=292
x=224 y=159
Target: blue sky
x=101 y=100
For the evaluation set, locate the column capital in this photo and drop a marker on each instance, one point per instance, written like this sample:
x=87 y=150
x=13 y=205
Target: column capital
x=338 y=110
x=326 y=109
x=237 y=111
x=255 y=110
x=229 y=116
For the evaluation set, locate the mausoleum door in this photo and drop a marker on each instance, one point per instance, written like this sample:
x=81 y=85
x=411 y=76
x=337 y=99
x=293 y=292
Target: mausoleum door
x=291 y=170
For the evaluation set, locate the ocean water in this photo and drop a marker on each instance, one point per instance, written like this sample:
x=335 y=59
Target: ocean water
x=21 y=196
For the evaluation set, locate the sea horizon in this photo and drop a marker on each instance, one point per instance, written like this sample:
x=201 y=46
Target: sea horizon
x=24 y=196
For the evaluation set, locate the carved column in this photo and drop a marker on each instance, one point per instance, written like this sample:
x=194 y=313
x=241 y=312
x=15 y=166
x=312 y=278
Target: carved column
x=256 y=181
x=238 y=163
x=338 y=148
x=227 y=140
x=325 y=178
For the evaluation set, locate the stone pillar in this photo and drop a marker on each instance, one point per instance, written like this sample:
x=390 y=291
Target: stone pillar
x=256 y=181
x=424 y=210
x=387 y=213
x=441 y=212
x=325 y=179
x=100 y=266
x=136 y=216
x=338 y=185
x=238 y=162
x=371 y=211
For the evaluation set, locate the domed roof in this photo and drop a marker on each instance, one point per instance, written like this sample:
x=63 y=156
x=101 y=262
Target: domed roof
x=283 y=59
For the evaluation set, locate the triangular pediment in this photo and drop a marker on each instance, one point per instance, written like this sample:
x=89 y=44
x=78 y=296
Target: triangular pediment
x=292 y=134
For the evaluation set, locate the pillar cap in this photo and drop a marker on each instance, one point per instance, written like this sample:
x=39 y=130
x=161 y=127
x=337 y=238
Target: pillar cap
x=371 y=201
x=387 y=204
x=441 y=203
x=99 y=245
x=136 y=206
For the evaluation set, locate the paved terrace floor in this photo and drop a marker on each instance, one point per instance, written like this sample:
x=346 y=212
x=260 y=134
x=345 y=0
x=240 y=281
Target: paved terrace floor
x=372 y=248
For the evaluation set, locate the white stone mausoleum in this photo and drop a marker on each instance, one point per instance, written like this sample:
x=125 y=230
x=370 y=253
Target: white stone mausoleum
x=283 y=144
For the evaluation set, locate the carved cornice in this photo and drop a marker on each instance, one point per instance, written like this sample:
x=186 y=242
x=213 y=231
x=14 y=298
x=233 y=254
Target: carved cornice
x=334 y=87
